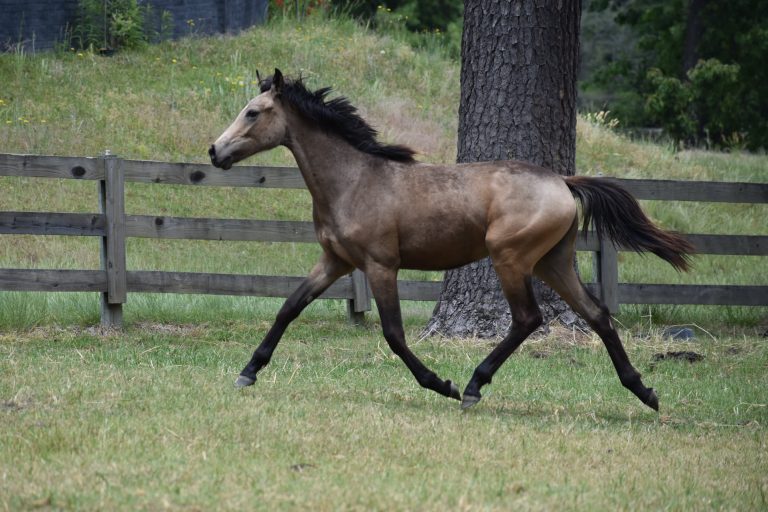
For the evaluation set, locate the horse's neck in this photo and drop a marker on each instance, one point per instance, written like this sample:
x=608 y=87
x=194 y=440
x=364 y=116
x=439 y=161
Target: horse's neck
x=328 y=164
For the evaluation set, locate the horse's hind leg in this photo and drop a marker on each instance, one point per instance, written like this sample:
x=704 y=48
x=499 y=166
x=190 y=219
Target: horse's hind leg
x=325 y=272
x=383 y=283
x=526 y=317
x=556 y=269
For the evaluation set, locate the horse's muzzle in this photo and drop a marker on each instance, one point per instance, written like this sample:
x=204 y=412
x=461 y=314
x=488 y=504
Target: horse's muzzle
x=225 y=163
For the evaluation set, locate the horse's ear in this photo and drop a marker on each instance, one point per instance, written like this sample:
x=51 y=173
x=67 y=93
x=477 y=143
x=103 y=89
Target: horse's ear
x=258 y=77
x=277 y=81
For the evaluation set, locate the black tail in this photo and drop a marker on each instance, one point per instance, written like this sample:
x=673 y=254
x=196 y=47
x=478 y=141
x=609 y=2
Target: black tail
x=617 y=215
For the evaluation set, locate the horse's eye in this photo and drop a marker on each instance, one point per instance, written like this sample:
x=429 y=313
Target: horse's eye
x=252 y=114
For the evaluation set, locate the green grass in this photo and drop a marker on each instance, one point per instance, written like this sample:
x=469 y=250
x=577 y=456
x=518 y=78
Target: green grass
x=148 y=419
x=168 y=102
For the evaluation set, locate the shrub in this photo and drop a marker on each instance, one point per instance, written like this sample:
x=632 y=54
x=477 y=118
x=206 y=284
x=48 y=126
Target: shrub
x=704 y=108
x=118 y=24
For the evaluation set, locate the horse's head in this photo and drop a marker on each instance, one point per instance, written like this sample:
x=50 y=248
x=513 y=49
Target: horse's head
x=260 y=126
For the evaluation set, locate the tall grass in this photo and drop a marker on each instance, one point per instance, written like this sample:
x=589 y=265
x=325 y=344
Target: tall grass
x=169 y=101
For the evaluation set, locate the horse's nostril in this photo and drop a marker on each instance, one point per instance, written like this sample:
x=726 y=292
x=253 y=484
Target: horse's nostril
x=212 y=151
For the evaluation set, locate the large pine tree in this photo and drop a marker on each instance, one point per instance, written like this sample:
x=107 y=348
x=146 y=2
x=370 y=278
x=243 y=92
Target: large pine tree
x=519 y=62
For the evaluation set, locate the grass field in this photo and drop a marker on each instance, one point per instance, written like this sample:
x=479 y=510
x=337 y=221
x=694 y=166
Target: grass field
x=148 y=419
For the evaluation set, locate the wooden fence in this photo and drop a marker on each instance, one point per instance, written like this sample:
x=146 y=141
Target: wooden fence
x=113 y=281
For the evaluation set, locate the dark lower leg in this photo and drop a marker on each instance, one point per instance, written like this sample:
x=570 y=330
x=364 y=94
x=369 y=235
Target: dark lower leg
x=630 y=378
x=557 y=270
x=599 y=319
x=263 y=353
x=526 y=317
x=384 y=287
x=483 y=374
x=321 y=277
x=395 y=336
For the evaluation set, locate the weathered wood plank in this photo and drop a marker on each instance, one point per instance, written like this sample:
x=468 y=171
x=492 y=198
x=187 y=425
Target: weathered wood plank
x=419 y=290
x=52 y=280
x=590 y=242
x=37 y=166
x=674 y=190
x=45 y=223
x=289 y=177
x=736 y=245
x=744 y=245
x=227 y=284
x=207 y=175
x=144 y=226
x=734 y=295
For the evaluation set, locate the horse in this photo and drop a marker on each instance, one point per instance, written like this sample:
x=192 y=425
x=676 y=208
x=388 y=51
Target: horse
x=378 y=209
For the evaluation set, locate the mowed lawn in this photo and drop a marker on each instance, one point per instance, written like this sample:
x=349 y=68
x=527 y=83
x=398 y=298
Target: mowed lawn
x=148 y=419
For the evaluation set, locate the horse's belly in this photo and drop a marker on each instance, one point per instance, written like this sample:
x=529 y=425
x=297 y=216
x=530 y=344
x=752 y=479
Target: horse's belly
x=433 y=252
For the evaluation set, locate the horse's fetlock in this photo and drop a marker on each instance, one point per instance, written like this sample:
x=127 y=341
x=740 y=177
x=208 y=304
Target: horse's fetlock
x=482 y=376
x=262 y=357
x=429 y=380
x=630 y=380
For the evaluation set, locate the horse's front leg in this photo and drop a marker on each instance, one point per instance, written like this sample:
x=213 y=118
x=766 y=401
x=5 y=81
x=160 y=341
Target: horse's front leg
x=325 y=272
x=383 y=283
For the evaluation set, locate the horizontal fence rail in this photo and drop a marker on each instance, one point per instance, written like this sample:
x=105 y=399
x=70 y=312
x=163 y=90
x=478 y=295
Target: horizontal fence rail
x=114 y=282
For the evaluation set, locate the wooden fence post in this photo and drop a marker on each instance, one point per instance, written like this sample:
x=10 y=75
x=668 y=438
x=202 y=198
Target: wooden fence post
x=112 y=205
x=361 y=298
x=607 y=274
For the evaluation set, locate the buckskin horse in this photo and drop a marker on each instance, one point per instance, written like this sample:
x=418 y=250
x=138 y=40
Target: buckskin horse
x=377 y=209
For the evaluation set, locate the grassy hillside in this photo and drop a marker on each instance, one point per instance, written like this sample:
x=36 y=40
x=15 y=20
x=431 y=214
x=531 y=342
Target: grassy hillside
x=170 y=101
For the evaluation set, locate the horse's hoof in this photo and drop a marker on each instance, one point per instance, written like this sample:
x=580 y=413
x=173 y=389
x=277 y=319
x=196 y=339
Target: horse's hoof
x=652 y=400
x=454 y=393
x=469 y=400
x=243 y=381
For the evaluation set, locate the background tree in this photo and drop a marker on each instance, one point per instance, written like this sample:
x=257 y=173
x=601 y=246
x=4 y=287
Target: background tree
x=518 y=101
x=697 y=69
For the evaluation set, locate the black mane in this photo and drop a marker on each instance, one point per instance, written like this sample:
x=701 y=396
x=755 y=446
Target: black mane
x=339 y=116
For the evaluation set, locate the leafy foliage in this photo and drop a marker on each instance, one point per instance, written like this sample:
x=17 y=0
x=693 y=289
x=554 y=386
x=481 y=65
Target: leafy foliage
x=719 y=100
x=119 y=24
x=419 y=16
x=421 y=23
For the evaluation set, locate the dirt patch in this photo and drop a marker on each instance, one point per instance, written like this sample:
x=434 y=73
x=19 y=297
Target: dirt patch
x=679 y=355
x=170 y=329
x=14 y=406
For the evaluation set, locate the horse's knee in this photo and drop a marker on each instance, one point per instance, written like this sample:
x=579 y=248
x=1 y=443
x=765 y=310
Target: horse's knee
x=528 y=322
x=601 y=322
x=395 y=338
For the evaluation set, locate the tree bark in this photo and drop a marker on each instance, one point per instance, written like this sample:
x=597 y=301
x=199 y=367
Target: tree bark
x=518 y=101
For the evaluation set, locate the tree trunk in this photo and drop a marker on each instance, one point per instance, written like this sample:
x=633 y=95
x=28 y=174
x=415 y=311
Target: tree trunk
x=519 y=62
x=694 y=29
